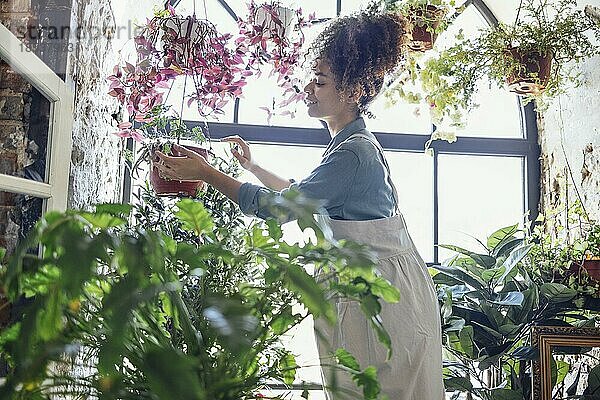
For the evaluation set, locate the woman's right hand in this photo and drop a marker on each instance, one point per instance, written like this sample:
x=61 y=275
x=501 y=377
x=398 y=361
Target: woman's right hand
x=243 y=154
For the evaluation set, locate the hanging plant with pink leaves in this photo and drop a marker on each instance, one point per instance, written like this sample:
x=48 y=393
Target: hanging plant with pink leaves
x=272 y=35
x=171 y=46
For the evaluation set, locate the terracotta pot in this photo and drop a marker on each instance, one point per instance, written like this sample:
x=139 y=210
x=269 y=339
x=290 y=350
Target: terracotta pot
x=168 y=188
x=422 y=38
x=590 y=265
x=533 y=74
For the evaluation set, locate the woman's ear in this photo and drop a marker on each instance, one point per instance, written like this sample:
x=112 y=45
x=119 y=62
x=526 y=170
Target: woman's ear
x=355 y=95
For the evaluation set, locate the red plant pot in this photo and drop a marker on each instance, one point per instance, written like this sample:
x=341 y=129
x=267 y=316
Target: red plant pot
x=422 y=38
x=533 y=74
x=169 y=188
x=590 y=265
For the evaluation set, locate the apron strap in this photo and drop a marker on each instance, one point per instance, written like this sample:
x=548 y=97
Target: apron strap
x=385 y=163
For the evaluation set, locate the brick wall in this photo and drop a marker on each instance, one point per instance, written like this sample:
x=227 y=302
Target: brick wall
x=15 y=107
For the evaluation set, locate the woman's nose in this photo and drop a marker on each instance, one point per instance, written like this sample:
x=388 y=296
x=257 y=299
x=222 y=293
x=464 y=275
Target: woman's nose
x=309 y=87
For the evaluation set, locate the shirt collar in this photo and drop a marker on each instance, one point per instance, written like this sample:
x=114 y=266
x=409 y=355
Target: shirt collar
x=353 y=127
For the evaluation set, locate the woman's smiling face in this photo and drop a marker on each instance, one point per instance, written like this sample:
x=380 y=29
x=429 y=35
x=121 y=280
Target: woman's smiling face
x=323 y=99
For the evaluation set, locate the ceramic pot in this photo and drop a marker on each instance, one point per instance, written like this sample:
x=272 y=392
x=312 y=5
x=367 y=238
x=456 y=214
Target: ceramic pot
x=533 y=74
x=423 y=22
x=171 y=188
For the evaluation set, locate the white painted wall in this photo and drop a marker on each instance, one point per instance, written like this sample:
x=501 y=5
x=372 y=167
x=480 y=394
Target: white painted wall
x=570 y=136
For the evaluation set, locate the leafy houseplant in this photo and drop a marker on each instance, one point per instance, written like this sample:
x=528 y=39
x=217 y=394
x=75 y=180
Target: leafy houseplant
x=428 y=19
x=159 y=134
x=273 y=35
x=533 y=56
x=185 y=302
x=491 y=298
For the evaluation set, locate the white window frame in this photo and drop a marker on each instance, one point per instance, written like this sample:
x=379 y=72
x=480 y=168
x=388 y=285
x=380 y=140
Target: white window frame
x=27 y=64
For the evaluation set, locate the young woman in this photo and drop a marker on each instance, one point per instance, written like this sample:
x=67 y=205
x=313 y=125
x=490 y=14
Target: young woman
x=351 y=58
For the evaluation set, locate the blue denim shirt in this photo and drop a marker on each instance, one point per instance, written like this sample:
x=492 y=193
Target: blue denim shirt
x=351 y=182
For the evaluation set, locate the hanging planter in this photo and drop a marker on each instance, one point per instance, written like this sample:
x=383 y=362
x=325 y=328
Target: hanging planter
x=426 y=22
x=531 y=71
x=272 y=36
x=171 y=188
x=275 y=21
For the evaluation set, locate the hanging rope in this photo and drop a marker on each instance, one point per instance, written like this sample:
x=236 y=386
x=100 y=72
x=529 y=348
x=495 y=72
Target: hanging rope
x=518 y=14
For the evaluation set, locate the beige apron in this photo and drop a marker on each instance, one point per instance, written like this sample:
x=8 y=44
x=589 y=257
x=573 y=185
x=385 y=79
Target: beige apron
x=415 y=370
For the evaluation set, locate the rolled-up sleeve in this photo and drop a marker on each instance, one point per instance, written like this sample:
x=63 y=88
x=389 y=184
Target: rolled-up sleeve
x=329 y=183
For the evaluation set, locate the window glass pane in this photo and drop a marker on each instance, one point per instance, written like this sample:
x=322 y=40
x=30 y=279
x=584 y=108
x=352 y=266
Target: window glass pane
x=18 y=215
x=412 y=174
x=179 y=102
x=24 y=125
x=497 y=115
x=470 y=21
x=350 y=6
x=398 y=118
x=477 y=195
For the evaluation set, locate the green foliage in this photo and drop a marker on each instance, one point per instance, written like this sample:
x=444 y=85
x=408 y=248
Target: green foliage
x=449 y=80
x=489 y=301
x=174 y=300
x=431 y=14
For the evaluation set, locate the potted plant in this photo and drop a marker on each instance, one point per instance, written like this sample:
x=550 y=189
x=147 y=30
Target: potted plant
x=183 y=301
x=273 y=35
x=490 y=298
x=428 y=18
x=592 y=252
x=533 y=57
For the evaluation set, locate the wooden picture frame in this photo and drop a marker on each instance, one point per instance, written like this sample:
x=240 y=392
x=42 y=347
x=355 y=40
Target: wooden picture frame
x=544 y=338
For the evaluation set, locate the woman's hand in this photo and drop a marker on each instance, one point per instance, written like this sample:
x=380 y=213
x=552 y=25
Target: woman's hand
x=191 y=166
x=243 y=156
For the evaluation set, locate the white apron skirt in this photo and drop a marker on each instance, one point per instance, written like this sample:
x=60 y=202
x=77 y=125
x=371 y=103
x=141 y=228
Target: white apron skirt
x=414 y=371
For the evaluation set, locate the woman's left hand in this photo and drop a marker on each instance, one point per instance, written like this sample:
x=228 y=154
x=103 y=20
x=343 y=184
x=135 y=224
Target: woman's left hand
x=191 y=166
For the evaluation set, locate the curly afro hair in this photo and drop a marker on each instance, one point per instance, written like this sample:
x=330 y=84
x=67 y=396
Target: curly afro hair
x=361 y=50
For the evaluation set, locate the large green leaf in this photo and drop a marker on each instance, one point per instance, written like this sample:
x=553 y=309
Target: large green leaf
x=346 y=359
x=481 y=259
x=309 y=292
x=368 y=380
x=194 y=217
x=462 y=276
x=507 y=394
x=527 y=353
x=501 y=235
x=516 y=255
x=459 y=383
x=509 y=299
x=171 y=374
x=116 y=209
x=103 y=220
x=384 y=289
x=288 y=367
x=593 y=383
x=557 y=292
x=466 y=340
x=382 y=334
x=493 y=274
